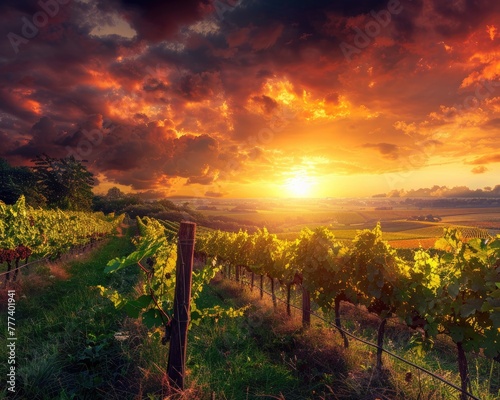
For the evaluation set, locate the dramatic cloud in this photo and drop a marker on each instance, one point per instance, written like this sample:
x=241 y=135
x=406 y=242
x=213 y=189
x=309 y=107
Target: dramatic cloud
x=225 y=98
x=493 y=158
x=444 y=191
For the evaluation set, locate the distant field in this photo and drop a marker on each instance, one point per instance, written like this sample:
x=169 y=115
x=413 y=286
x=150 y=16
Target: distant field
x=295 y=216
x=490 y=221
x=407 y=234
x=288 y=221
x=302 y=215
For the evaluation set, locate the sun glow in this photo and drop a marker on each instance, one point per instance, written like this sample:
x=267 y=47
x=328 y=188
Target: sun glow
x=299 y=186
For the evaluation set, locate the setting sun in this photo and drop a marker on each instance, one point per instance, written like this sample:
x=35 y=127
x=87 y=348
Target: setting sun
x=276 y=109
x=299 y=186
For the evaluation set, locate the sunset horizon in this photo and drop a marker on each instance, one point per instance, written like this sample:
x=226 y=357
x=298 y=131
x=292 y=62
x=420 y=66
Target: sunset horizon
x=251 y=99
x=248 y=199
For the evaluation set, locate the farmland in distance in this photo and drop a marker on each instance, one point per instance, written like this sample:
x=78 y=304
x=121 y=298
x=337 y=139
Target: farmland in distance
x=404 y=225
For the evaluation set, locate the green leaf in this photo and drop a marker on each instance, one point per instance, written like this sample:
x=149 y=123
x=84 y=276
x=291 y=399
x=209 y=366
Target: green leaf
x=495 y=318
x=117 y=299
x=470 y=307
x=133 y=258
x=442 y=244
x=495 y=244
x=453 y=289
x=133 y=308
x=457 y=334
x=152 y=318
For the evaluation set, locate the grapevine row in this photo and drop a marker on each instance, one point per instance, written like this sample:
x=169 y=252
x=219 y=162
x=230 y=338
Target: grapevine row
x=453 y=291
x=156 y=255
x=25 y=231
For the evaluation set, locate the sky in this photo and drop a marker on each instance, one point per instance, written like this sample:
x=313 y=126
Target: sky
x=252 y=98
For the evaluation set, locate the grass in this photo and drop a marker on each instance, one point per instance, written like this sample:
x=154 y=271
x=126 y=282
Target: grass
x=321 y=368
x=66 y=347
x=228 y=359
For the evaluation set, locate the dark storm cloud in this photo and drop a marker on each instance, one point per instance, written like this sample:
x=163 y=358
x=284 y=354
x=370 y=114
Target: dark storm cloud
x=267 y=103
x=15 y=106
x=155 y=20
x=44 y=136
x=460 y=17
x=197 y=87
x=6 y=143
x=158 y=152
x=164 y=88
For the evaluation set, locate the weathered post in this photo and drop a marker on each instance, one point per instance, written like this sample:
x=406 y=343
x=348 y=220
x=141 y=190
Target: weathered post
x=306 y=308
x=180 y=321
x=288 y=296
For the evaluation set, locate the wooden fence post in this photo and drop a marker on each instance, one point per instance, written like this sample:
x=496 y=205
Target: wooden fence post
x=306 y=308
x=178 y=343
x=288 y=296
x=273 y=295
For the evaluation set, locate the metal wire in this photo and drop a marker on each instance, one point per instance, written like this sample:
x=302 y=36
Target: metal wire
x=41 y=260
x=452 y=385
x=25 y=265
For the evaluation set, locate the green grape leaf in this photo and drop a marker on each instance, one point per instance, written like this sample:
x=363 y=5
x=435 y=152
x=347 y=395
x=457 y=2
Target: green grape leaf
x=152 y=318
x=457 y=334
x=133 y=308
x=116 y=264
x=442 y=244
x=495 y=318
x=453 y=289
x=470 y=307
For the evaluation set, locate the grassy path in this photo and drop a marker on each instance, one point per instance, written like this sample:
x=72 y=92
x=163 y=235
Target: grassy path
x=238 y=358
x=65 y=347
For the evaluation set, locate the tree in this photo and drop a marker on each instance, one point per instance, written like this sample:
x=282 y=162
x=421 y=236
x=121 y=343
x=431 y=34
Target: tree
x=18 y=181
x=115 y=193
x=65 y=182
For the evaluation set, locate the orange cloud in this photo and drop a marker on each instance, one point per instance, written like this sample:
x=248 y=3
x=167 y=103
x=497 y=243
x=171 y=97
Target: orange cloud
x=488 y=159
x=479 y=170
x=492 y=31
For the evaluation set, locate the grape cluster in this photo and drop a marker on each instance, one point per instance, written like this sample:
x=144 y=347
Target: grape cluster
x=23 y=252
x=7 y=255
x=20 y=252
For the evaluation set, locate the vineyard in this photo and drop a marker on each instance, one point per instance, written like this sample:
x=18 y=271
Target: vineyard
x=27 y=232
x=156 y=255
x=453 y=289
x=456 y=292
